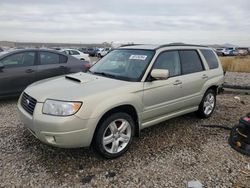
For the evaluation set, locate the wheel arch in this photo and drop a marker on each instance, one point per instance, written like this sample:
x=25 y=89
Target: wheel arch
x=213 y=87
x=126 y=108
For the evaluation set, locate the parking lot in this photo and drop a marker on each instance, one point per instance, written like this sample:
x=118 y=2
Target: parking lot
x=167 y=155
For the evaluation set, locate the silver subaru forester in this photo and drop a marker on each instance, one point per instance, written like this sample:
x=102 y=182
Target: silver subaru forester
x=131 y=88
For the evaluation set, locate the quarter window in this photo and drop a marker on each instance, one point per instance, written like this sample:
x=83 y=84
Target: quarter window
x=190 y=61
x=169 y=60
x=47 y=58
x=210 y=58
x=19 y=60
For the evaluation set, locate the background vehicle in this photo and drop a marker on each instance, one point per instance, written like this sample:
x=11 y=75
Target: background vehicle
x=92 y=51
x=76 y=53
x=20 y=68
x=83 y=50
x=131 y=88
x=242 y=51
x=102 y=52
x=226 y=51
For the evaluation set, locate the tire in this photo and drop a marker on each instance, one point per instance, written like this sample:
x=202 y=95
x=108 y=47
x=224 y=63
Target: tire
x=118 y=139
x=207 y=105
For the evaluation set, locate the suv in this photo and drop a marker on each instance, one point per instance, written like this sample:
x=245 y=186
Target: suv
x=131 y=88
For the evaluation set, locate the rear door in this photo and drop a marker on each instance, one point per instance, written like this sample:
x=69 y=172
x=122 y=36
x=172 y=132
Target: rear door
x=51 y=64
x=193 y=77
x=18 y=72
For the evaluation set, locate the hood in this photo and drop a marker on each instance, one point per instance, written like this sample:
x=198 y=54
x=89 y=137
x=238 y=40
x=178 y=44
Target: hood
x=74 y=87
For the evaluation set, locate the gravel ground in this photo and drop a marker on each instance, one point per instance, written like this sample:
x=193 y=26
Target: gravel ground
x=237 y=78
x=167 y=155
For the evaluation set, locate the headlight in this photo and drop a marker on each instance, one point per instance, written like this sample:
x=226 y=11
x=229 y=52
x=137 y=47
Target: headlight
x=60 y=108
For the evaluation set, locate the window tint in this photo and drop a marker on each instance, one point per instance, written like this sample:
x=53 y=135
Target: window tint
x=19 y=60
x=190 y=61
x=49 y=58
x=73 y=52
x=169 y=60
x=210 y=58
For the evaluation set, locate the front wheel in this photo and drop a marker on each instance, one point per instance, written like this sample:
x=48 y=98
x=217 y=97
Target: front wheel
x=207 y=105
x=114 y=135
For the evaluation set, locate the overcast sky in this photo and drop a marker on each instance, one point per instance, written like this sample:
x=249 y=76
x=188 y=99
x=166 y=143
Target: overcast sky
x=121 y=21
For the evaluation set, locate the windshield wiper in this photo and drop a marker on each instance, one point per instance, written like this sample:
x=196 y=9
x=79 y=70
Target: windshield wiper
x=90 y=71
x=105 y=74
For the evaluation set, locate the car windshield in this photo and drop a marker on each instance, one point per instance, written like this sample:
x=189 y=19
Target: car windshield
x=124 y=64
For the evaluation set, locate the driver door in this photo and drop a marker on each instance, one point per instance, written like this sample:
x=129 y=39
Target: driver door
x=161 y=97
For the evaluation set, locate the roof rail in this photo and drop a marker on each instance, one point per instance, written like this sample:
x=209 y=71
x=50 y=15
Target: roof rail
x=179 y=44
x=124 y=45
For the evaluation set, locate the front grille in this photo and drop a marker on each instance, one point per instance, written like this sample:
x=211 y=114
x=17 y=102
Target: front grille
x=28 y=103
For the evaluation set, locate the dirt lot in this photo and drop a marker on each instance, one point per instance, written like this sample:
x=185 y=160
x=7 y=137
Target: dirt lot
x=167 y=155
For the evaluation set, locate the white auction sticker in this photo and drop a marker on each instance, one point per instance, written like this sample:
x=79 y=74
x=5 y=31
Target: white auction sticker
x=138 y=57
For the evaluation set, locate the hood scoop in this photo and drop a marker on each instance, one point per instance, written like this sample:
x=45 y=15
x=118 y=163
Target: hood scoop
x=80 y=78
x=72 y=78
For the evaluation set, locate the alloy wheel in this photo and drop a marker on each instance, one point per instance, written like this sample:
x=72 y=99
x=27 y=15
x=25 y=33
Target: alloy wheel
x=117 y=136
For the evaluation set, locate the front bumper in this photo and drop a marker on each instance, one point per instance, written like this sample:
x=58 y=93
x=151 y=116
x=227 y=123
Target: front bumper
x=65 y=132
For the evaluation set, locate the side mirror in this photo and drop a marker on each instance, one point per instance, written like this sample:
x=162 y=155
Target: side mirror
x=1 y=66
x=160 y=74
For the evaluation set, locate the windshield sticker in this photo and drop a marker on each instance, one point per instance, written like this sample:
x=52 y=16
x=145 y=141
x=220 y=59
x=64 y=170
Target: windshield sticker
x=138 y=57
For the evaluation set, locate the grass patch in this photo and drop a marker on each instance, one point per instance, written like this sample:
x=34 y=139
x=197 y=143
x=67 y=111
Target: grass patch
x=236 y=63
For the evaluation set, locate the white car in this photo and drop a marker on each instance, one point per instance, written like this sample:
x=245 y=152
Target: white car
x=102 y=52
x=77 y=54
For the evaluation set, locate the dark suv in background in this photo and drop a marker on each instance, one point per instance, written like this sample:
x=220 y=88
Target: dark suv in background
x=92 y=51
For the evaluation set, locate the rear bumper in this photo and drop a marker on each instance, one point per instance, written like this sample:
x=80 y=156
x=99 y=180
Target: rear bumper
x=64 y=132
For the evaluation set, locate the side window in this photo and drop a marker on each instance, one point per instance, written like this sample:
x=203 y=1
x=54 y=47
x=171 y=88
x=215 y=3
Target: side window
x=210 y=58
x=63 y=59
x=19 y=60
x=190 y=61
x=73 y=52
x=47 y=58
x=169 y=60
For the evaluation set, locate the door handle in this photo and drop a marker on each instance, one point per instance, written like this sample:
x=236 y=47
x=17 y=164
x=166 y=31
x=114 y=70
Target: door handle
x=177 y=82
x=29 y=71
x=204 y=76
x=61 y=67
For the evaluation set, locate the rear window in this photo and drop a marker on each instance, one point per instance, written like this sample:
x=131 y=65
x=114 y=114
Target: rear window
x=210 y=58
x=190 y=61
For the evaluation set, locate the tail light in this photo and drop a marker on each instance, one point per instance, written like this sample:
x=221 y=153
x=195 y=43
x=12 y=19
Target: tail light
x=87 y=65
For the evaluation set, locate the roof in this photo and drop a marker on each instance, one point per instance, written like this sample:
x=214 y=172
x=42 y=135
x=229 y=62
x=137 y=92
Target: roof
x=6 y=53
x=155 y=46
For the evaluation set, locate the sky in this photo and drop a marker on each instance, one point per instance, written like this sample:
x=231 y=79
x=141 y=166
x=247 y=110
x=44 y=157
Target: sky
x=123 y=21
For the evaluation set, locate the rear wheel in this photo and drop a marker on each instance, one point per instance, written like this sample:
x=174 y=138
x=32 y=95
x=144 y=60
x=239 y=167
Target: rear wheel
x=114 y=135
x=207 y=105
